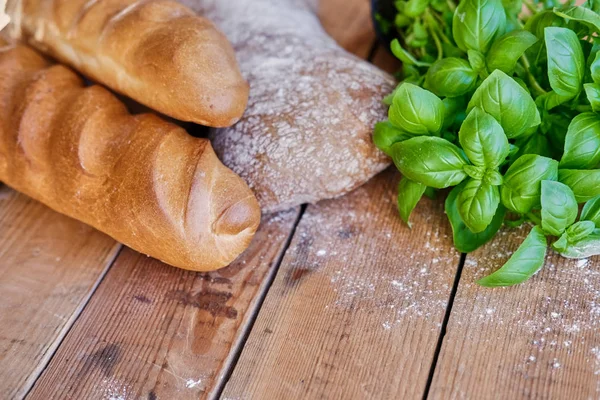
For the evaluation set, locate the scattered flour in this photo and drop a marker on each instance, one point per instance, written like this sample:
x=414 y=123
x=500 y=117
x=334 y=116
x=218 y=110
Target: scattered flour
x=555 y=317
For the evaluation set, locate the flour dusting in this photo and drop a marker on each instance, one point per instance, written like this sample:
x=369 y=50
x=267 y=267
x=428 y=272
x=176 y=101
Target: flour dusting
x=306 y=133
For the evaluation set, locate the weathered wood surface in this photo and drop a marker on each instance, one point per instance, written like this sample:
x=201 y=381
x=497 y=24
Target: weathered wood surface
x=538 y=340
x=356 y=308
x=49 y=266
x=157 y=332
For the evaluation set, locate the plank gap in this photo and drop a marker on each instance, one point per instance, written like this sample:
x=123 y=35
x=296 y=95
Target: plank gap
x=438 y=347
x=373 y=50
x=67 y=328
x=239 y=346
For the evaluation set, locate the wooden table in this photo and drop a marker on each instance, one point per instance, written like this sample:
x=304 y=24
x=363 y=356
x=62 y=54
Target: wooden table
x=335 y=300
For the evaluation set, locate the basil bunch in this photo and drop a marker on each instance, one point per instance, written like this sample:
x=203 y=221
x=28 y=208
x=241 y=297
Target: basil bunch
x=504 y=108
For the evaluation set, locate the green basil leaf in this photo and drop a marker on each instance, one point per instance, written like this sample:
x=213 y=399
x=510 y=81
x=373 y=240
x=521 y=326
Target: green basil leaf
x=409 y=194
x=551 y=99
x=430 y=160
x=558 y=124
x=505 y=100
x=585 y=183
x=483 y=139
x=451 y=77
x=595 y=68
x=582 y=143
x=476 y=24
x=512 y=6
x=493 y=177
x=584 y=248
x=593 y=5
x=453 y=107
x=405 y=56
x=592 y=91
x=416 y=110
x=523 y=264
x=386 y=135
x=566 y=63
x=534 y=144
x=476 y=60
x=561 y=244
x=522 y=186
x=580 y=14
x=466 y=241
x=559 y=207
x=477 y=203
x=474 y=171
x=591 y=211
x=414 y=8
x=580 y=230
x=506 y=50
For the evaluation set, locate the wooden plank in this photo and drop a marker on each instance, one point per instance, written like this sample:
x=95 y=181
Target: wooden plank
x=152 y=331
x=538 y=340
x=385 y=60
x=49 y=266
x=349 y=22
x=356 y=307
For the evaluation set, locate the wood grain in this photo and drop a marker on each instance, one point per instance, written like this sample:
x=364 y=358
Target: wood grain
x=349 y=23
x=538 y=340
x=356 y=307
x=49 y=265
x=152 y=331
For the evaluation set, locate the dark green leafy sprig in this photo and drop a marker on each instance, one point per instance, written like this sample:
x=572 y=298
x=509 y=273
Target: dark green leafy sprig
x=503 y=107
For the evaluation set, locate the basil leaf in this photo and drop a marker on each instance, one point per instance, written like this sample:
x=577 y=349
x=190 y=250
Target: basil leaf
x=466 y=241
x=523 y=264
x=566 y=64
x=409 y=194
x=483 y=139
x=551 y=99
x=505 y=100
x=453 y=107
x=522 y=186
x=591 y=211
x=416 y=110
x=561 y=244
x=476 y=24
x=477 y=203
x=534 y=144
x=476 y=60
x=405 y=56
x=493 y=177
x=584 y=183
x=414 y=8
x=582 y=143
x=584 y=248
x=474 y=171
x=430 y=160
x=580 y=14
x=592 y=91
x=595 y=68
x=559 y=207
x=580 y=230
x=386 y=135
x=451 y=77
x=506 y=50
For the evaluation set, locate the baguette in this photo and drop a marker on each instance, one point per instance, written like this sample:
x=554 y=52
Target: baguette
x=306 y=134
x=157 y=52
x=140 y=179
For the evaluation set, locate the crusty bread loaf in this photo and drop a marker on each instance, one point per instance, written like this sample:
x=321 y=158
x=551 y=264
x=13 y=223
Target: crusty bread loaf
x=141 y=180
x=306 y=134
x=157 y=52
